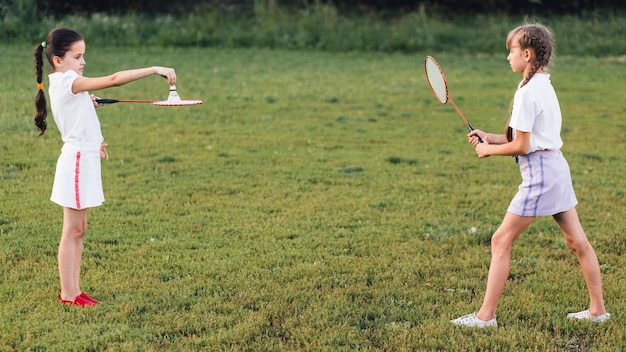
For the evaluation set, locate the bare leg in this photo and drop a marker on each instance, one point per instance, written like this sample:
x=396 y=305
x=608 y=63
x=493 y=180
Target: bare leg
x=501 y=242
x=576 y=239
x=71 y=251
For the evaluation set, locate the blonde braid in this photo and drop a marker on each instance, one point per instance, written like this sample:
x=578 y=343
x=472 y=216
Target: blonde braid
x=530 y=40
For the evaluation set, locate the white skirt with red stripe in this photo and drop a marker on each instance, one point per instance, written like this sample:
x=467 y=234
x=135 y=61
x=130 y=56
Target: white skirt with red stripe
x=77 y=180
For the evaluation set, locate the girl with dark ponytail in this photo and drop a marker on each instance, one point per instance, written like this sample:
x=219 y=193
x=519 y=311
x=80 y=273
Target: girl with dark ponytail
x=534 y=134
x=77 y=182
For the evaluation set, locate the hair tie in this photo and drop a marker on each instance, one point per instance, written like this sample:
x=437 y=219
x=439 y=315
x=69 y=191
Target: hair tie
x=43 y=44
x=40 y=86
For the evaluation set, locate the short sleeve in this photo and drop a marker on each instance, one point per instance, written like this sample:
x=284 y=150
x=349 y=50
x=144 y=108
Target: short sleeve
x=524 y=113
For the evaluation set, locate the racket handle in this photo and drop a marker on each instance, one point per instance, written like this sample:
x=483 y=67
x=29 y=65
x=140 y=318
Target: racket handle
x=106 y=101
x=470 y=128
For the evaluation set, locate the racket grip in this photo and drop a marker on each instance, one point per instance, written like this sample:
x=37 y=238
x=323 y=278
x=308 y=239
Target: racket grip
x=106 y=101
x=471 y=128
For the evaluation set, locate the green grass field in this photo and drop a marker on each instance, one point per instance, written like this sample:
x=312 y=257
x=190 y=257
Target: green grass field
x=315 y=201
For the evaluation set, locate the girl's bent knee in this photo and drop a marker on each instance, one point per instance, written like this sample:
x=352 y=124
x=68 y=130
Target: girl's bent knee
x=580 y=247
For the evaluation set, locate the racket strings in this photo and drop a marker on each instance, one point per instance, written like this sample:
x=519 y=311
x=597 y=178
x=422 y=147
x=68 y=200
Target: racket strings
x=436 y=80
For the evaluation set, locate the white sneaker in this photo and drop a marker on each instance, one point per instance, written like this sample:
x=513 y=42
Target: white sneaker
x=585 y=315
x=472 y=320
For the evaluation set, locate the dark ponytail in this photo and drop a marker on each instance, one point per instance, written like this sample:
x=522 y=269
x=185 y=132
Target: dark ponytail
x=57 y=43
x=40 y=98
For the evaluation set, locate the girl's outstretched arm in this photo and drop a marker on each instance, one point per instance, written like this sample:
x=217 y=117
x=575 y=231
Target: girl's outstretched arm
x=82 y=84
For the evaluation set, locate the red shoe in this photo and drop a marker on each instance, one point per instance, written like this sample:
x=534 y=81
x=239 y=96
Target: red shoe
x=78 y=301
x=88 y=298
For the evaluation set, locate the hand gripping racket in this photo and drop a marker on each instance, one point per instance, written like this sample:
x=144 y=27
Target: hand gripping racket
x=437 y=82
x=172 y=100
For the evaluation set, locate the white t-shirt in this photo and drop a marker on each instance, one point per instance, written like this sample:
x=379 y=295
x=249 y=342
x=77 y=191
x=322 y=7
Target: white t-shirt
x=74 y=114
x=536 y=110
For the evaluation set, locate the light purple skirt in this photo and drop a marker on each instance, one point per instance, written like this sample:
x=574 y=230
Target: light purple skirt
x=546 y=187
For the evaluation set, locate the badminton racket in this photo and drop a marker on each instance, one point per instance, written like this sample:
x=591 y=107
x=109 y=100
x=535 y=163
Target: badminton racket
x=439 y=86
x=172 y=100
